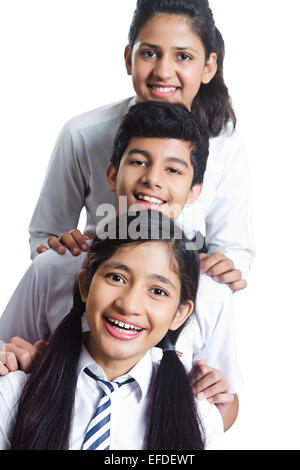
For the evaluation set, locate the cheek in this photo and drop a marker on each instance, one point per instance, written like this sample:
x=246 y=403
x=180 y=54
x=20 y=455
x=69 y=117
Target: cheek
x=140 y=72
x=192 y=79
x=162 y=316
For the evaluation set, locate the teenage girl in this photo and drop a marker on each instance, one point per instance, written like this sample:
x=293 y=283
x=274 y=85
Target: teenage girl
x=175 y=53
x=134 y=294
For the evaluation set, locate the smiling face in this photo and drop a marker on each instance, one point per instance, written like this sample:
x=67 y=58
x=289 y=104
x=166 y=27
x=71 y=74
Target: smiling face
x=155 y=173
x=168 y=61
x=133 y=300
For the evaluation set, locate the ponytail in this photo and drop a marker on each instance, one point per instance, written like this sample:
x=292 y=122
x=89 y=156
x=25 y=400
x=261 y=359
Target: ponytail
x=212 y=104
x=173 y=421
x=46 y=404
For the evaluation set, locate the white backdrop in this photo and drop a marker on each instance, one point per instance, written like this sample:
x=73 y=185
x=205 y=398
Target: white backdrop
x=60 y=58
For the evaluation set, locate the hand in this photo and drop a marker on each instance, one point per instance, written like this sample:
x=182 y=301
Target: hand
x=222 y=269
x=209 y=383
x=74 y=241
x=19 y=354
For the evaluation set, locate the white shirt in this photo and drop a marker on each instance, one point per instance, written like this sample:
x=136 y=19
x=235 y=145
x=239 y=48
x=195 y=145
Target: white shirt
x=128 y=407
x=76 y=178
x=45 y=295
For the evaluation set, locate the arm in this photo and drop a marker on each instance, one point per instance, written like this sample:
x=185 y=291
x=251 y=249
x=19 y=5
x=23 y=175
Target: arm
x=42 y=298
x=24 y=314
x=214 y=339
x=208 y=383
x=63 y=192
x=228 y=219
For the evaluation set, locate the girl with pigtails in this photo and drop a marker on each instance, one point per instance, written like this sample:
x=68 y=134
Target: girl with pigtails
x=102 y=389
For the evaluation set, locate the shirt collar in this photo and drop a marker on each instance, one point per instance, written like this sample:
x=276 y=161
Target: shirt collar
x=141 y=372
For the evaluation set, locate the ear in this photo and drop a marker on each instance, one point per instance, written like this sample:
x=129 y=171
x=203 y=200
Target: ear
x=128 y=59
x=182 y=314
x=111 y=176
x=194 y=193
x=210 y=68
x=82 y=279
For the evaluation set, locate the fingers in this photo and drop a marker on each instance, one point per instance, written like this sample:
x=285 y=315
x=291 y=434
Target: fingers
x=239 y=285
x=3 y=369
x=210 y=261
x=18 y=353
x=222 y=398
x=74 y=241
x=207 y=382
x=229 y=277
x=222 y=269
x=55 y=244
x=41 y=345
x=41 y=248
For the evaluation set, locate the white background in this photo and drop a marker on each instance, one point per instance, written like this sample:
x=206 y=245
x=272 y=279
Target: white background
x=60 y=58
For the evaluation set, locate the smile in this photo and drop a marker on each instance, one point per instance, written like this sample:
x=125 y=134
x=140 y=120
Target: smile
x=163 y=89
x=122 y=330
x=149 y=199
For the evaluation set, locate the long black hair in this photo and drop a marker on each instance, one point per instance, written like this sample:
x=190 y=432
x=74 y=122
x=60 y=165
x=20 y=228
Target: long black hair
x=212 y=104
x=45 y=407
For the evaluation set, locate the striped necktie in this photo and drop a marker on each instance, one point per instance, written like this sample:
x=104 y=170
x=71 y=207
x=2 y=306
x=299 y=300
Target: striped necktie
x=98 y=433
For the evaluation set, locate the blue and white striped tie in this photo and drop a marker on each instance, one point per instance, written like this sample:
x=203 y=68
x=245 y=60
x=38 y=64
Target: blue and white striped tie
x=98 y=433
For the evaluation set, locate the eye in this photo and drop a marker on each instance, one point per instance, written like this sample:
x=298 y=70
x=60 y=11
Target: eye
x=174 y=171
x=159 y=292
x=138 y=162
x=149 y=53
x=184 y=57
x=115 y=277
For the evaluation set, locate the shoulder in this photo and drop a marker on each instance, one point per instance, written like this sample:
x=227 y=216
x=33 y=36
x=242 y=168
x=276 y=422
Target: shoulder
x=227 y=146
x=212 y=294
x=214 y=305
x=99 y=116
x=52 y=266
x=11 y=386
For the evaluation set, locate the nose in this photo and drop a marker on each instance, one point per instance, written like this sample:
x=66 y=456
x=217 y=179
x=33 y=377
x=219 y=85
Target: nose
x=164 y=69
x=131 y=301
x=153 y=177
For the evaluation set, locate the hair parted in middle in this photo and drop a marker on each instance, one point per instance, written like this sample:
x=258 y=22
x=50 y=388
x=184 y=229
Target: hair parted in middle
x=45 y=408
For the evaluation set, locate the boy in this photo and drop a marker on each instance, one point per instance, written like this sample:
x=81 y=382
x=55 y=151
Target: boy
x=158 y=162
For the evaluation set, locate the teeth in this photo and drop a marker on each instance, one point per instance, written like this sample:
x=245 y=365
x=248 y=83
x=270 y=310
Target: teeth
x=163 y=89
x=153 y=200
x=122 y=325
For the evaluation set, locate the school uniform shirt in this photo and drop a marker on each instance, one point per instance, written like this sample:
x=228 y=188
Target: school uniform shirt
x=45 y=295
x=128 y=407
x=76 y=178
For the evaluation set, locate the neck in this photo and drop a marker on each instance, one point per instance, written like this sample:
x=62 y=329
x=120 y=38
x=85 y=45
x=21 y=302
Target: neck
x=112 y=367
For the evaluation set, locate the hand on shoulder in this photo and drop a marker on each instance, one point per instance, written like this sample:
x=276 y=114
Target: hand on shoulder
x=74 y=241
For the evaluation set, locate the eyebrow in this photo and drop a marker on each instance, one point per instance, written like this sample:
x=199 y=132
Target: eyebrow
x=177 y=48
x=168 y=159
x=124 y=267
x=163 y=279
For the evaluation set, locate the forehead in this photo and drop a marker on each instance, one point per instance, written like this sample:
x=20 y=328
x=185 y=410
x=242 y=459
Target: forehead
x=147 y=259
x=161 y=149
x=169 y=30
